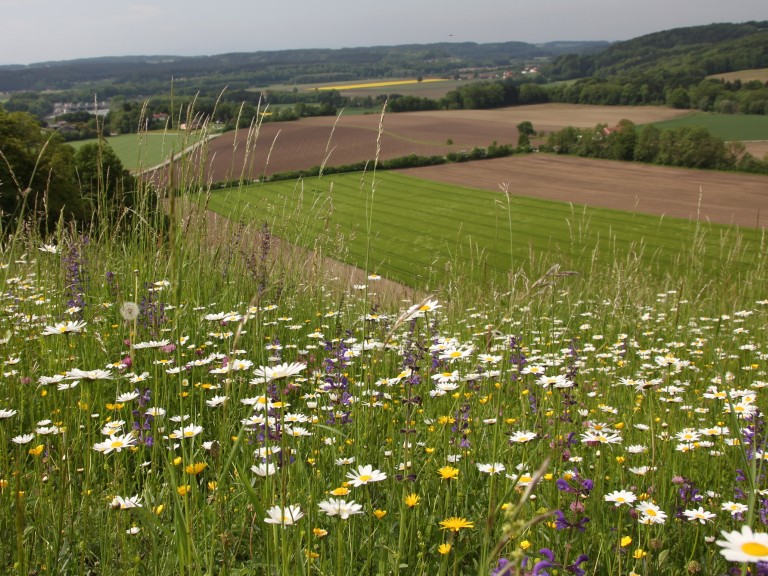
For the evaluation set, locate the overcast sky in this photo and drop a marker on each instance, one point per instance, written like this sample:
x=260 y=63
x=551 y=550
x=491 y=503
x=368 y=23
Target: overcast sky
x=44 y=30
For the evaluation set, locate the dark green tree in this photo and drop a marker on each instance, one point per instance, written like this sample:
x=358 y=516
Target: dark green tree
x=647 y=145
x=104 y=182
x=564 y=141
x=693 y=147
x=678 y=98
x=482 y=95
x=531 y=93
x=620 y=142
x=37 y=177
x=524 y=132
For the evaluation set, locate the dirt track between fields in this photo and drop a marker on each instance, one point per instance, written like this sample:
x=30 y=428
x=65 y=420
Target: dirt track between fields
x=307 y=266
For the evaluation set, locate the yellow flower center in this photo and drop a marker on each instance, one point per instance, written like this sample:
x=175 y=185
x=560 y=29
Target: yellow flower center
x=650 y=512
x=364 y=478
x=116 y=444
x=754 y=549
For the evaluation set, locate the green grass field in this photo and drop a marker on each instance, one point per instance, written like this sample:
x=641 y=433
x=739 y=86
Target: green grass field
x=729 y=127
x=147 y=149
x=419 y=229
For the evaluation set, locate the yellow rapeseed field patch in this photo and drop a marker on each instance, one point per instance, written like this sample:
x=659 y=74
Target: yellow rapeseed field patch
x=379 y=84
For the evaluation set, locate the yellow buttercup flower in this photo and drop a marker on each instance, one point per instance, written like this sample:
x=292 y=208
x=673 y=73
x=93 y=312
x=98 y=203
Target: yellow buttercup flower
x=412 y=500
x=184 y=489
x=454 y=524
x=196 y=468
x=444 y=548
x=448 y=473
x=379 y=513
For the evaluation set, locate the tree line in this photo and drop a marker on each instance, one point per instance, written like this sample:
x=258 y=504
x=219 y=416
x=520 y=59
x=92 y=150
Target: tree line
x=684 y=146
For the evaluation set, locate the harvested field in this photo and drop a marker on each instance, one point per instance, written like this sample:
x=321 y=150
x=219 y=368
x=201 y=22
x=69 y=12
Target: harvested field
x=721 y=197
x=759 y=74
x=758 y=149
x=285 y=146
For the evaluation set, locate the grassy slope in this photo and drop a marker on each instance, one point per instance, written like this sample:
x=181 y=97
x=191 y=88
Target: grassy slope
x=726 y=126
x=420 y=229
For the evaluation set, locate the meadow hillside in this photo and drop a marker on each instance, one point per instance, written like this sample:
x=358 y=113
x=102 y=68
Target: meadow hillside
x=173 y=404
x=529 y=366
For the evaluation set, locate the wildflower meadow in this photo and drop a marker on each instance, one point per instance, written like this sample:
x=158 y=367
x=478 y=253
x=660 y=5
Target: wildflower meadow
x=175 y=405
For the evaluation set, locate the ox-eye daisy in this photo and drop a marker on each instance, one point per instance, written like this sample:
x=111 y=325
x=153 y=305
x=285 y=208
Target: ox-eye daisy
x=364 y=475
x=115 y=443
x=120 y=503
x=284 y=516
x=269 y=373
x=620 y=497
x=651 y=514
x=340 y=508
x=744 y=546
x=496 y=468
x=67 y=327
x=734 y=507
x=699 y=514
x=187 y=431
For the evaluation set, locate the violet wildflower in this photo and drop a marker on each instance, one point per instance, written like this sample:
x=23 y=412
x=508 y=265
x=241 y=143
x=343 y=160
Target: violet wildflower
x=539 y=569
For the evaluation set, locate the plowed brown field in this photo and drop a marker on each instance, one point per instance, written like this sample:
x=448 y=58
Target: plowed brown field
x=284 y=146
x=707 y=195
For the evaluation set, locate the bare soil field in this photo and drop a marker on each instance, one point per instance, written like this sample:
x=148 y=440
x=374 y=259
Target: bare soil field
x=721 y=197
x=758 y=148
x=760 y=74
x=285 y=146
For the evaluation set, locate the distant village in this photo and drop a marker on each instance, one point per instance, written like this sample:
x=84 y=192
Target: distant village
x=98 y=108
